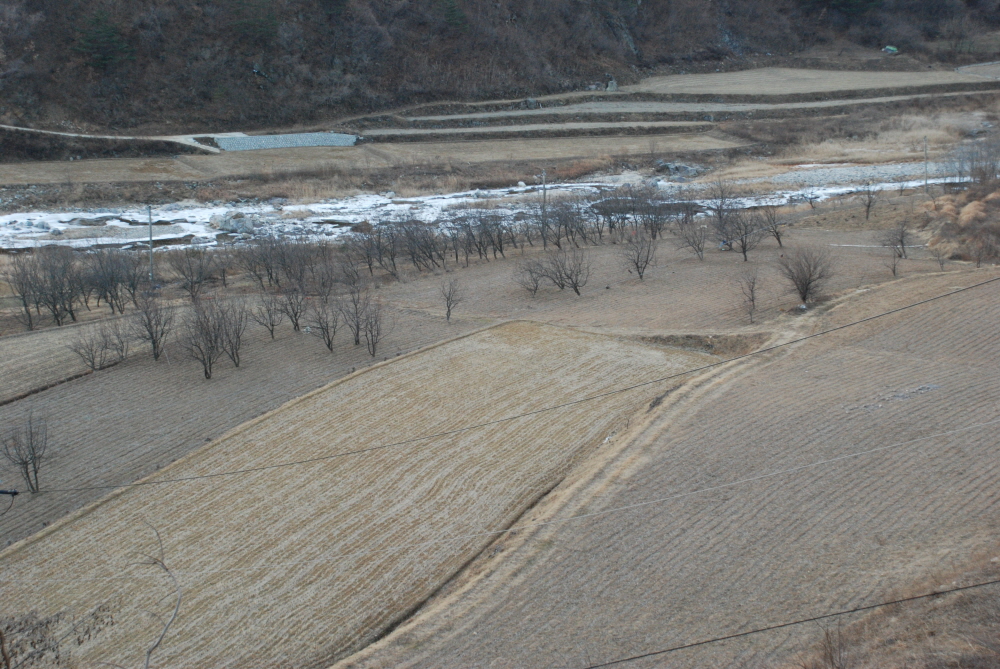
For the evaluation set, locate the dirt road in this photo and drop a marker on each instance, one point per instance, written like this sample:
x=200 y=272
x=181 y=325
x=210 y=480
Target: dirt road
x=245 y=163
x=669 y=108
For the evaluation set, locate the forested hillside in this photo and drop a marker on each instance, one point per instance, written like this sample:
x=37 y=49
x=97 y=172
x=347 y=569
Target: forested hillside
x=250 y=63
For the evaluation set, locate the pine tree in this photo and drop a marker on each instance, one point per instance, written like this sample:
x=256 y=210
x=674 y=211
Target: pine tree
x=102 y=43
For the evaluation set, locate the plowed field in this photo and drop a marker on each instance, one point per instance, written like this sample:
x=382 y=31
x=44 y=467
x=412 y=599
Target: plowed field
x=297 y=565
x=846 y=530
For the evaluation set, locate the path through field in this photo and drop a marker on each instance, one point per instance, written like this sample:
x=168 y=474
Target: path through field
x=298 y=565
x=787 y=546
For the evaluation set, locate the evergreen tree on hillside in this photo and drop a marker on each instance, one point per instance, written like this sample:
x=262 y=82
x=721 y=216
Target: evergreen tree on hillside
x=102 y=43
x=453 y=15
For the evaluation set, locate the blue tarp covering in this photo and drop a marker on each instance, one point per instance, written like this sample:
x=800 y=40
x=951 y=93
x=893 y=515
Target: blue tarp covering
x=258 y=142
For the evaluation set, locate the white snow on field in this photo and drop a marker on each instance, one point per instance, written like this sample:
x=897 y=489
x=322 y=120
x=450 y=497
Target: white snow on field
x=193 y=224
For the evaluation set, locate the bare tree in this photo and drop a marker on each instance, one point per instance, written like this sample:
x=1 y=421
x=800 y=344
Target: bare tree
x=159 y=562
x=638 y=252
x=567 y=268
x=268 y=312
x=21 y=274
x=869 y=194
x=896 y=238
x=891 y=262
x=691 y=234
x=983 y=246
x=749 y=283
x=807 y=270
x=235 y=318
x=225 y=262
x=112 y=275
x=93 y=346
x=25 y=447
x=453 y=295
x=772 y=223
x=152 y=322
x=940 y=255
x=203 y=336
x=375 y=327
x=355 y=304
x=293 y=305
x=529 y=274
x=104 y=344
x=323 y=320
x=721 y=202
x=195 y=267
x=120 y=337
x=746 y=231
x=57 y=285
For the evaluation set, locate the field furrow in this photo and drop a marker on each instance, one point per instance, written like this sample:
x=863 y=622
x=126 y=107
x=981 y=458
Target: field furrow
x=840 y=533
x=300 y=565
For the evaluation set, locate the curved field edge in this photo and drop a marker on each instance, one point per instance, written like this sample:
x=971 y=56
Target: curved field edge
x=230 y=434
x=492 y=576
x=488 y=573
x=343 y=549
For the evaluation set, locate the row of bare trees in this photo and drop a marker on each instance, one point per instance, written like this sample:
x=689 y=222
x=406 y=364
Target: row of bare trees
x=109 y=342
x=486 y=234
x=563 y=268
x=57 y=281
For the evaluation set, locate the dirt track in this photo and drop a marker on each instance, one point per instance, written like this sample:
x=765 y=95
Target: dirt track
x=298 y=565
x=668 y=108
x=245 y=163
x=805 y=543
x=788 y=81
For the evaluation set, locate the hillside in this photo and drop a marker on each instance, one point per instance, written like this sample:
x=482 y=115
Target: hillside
x=253 y=63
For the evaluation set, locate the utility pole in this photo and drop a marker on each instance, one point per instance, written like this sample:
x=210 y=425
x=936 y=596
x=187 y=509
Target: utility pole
x=926 y=168
x=545 y=216
x=149 y=212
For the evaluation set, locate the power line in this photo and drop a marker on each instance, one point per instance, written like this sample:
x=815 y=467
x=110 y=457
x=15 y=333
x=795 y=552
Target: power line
x=468 y=428
x=531 y=525
x=770 y=628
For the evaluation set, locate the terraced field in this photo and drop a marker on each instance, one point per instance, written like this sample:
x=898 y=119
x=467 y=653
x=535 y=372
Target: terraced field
x=298 y=565
x=33 y=360
x=663 y=104
x=830 y=476
x=791 y=81
x=114 y=426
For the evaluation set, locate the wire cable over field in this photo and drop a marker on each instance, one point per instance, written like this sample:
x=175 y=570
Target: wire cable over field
x=506 y=419
x=779 y=626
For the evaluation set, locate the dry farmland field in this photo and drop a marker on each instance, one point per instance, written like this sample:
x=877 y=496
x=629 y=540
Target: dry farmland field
x=674 y=566
x=115 y=425
x=302 y=564
x=543 y=479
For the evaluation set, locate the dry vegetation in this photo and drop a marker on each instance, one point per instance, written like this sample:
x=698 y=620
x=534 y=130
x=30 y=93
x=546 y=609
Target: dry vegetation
x=305 y=565
x=786 y=546
x=950 y=630
x=377 y=524
x=247 y=62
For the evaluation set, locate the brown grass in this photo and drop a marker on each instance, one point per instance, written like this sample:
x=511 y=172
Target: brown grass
x=759 y=553
x=952 y=630
x=305 y=564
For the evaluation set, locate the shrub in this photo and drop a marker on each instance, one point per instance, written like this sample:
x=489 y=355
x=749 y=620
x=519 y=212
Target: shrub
x=101 y=42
